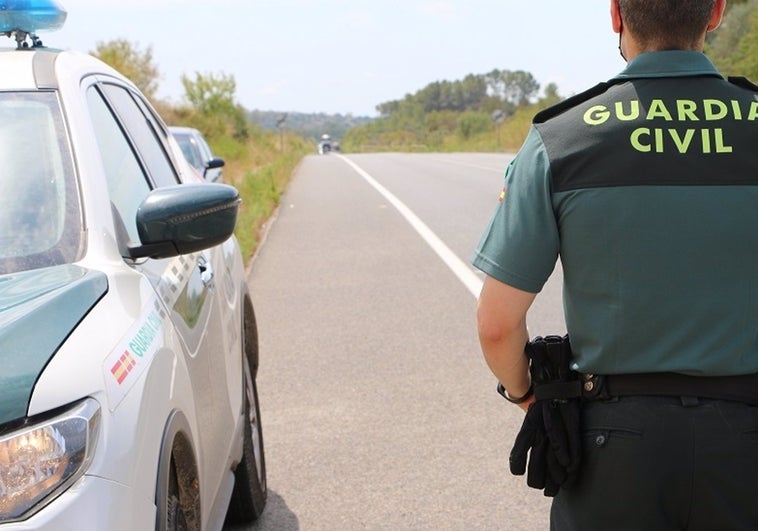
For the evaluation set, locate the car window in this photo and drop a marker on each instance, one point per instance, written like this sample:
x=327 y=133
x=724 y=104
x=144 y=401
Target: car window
x=204 y=148
x=40 y=215
x=127 y=184
x=159 y=128
x=144 y=133
x=188 y=149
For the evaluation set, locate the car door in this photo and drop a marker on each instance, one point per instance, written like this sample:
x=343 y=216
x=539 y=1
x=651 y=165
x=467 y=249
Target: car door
x=137 y=159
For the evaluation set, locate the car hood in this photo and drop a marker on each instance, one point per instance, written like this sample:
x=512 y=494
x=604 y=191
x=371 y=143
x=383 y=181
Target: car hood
x=38 y=310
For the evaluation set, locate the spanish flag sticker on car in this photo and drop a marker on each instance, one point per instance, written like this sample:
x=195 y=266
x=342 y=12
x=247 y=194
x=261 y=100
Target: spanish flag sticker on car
x=135 y=351
x=123 y=367
x=502 y=195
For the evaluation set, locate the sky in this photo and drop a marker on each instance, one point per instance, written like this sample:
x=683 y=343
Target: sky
x=348 y=56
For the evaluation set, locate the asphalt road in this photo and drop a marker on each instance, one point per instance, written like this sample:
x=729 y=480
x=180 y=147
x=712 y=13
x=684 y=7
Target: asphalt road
x=378 y=410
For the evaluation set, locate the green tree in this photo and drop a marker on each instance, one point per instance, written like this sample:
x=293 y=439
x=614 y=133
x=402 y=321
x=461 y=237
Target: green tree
x=212 y=98
x=210 y=93
x=733 y=47
x=745 y=59
x=131 y=61
x=551 y=96
x=516 y=88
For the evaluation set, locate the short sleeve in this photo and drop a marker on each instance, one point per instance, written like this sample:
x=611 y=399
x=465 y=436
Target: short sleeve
x=520 y=245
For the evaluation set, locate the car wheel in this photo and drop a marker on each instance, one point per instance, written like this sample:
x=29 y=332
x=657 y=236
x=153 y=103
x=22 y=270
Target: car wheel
x=176 y=519
x=177 y=497
x=250 y=491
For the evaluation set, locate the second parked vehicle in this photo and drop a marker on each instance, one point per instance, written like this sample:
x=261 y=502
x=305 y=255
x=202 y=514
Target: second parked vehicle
x=198 y=153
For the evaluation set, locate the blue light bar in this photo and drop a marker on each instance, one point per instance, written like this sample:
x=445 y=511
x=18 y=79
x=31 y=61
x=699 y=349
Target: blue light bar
x=30 y=16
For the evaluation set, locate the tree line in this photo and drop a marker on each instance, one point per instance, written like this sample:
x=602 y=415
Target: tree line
x=503 y=90
x=448 y=115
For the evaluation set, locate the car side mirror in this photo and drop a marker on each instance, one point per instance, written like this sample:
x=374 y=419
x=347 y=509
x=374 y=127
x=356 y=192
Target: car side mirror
x=212 y=164
x=215 y=162
x=184 y=219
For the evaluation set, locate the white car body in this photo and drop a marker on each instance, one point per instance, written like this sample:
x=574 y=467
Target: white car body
x=161 y=352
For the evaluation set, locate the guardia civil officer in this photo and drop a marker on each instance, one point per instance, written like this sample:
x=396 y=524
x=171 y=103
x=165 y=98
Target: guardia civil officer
x=646 y=188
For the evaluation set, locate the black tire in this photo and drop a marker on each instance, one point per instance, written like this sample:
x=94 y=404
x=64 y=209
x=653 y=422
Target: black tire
x=177 y=493
x=176 y=519
x=250 y=490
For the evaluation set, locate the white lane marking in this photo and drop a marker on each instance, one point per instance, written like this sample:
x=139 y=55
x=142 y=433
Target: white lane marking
x=456 y=265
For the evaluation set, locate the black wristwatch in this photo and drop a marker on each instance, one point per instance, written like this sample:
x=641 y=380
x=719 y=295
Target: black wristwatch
x=519 y=400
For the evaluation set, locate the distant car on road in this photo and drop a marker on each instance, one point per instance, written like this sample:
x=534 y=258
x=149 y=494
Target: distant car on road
x=198 y=153
x=128 y=341
x=325 y=144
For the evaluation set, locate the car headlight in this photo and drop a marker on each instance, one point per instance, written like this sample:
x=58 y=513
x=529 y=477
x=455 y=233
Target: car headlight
x=40 y=461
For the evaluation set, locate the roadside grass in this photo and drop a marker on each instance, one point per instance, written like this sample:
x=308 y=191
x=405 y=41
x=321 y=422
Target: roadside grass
x=260 y=167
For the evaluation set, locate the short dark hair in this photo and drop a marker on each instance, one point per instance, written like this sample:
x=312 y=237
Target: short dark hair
x=667 y=23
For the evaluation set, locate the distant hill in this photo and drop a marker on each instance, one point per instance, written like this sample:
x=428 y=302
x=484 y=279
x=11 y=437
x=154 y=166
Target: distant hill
x=310 y=126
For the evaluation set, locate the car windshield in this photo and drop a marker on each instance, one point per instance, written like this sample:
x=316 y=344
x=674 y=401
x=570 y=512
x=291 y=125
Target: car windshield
x=40 y=219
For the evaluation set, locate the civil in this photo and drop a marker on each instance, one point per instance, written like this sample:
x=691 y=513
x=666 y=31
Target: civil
x=646 y=140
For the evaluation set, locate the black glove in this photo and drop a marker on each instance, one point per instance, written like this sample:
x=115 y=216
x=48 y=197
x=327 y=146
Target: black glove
x=533 y=440
x=550 y=434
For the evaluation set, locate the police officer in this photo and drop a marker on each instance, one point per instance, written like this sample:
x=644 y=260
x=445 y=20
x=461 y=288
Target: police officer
x=646 y=187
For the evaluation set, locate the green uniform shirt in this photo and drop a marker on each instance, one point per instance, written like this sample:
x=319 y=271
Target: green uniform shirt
x=647 y=189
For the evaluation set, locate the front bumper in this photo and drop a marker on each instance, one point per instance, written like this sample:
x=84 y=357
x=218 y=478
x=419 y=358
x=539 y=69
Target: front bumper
x=93 y=504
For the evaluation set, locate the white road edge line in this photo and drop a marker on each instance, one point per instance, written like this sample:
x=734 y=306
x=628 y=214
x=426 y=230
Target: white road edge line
x=456 y=265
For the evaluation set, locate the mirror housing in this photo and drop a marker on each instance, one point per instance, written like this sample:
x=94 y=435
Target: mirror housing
x=184 y=219
x=215 y=162
x=212 y=164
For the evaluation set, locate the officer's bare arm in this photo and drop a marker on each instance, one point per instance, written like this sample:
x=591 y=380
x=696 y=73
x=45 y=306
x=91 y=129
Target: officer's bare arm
x=501 y=317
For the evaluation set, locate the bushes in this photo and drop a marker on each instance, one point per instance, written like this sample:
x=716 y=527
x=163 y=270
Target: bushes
x=472 y=123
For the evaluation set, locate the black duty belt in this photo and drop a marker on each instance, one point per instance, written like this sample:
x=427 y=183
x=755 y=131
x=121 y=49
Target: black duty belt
x=738 y=388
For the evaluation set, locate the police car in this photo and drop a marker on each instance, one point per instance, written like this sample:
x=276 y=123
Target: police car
x=128 y=343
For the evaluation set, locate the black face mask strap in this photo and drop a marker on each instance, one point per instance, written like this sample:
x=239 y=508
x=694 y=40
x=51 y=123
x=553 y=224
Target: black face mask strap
x=621 y=29
x=621 y=52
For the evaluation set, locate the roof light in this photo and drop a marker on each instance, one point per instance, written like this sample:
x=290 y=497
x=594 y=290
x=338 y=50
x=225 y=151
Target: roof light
x=26 y=17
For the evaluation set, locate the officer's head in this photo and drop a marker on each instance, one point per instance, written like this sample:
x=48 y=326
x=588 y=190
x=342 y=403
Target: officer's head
x=650 y=25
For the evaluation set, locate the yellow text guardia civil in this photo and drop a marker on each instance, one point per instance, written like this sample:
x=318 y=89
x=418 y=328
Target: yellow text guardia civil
x=706 y=139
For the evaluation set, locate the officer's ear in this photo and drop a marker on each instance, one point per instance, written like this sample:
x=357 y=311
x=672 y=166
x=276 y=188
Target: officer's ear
x=616 y=16
x=718 y=14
